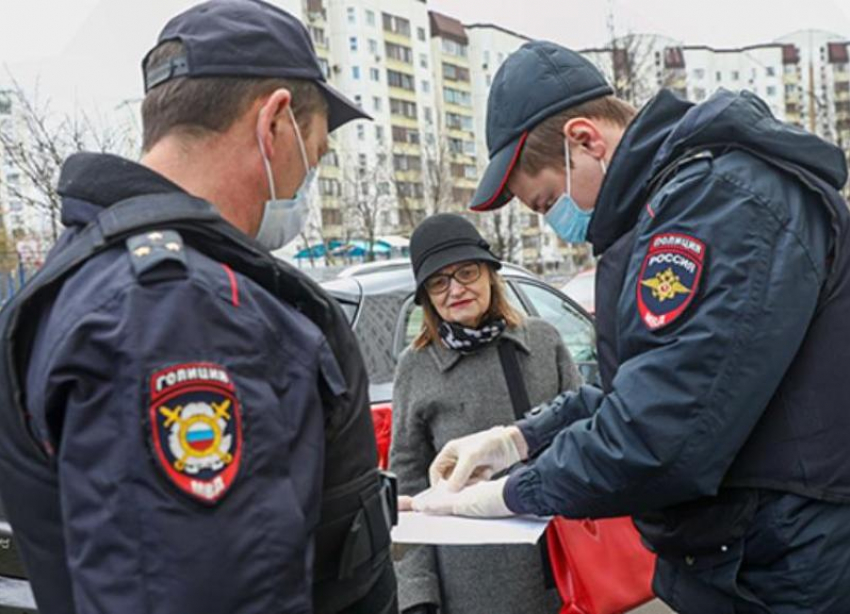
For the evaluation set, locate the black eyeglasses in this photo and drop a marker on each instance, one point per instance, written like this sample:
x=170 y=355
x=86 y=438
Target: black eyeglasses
x=467 y=274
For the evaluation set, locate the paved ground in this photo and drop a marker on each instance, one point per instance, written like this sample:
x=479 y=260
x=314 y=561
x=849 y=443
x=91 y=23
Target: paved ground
x=653 y=607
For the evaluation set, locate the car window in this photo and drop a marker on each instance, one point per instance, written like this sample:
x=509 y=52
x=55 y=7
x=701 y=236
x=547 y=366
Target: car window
x=575 y=328
x=375 y=329
x=413 y=316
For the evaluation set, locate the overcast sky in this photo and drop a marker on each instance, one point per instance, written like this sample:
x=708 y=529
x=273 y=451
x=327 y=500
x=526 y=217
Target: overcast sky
x=87 y=52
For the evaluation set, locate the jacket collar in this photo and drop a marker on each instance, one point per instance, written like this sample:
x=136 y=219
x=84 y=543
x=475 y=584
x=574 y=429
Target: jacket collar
x=446 y=359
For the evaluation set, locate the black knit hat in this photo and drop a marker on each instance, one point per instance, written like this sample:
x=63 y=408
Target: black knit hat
x=445 y=239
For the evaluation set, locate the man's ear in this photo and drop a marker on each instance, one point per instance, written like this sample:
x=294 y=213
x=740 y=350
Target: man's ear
x=584 y=133
x=271 y=117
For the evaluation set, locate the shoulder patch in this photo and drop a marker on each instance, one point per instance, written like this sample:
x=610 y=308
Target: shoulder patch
x=152 y=252
x=195 y=423
x=669 y=278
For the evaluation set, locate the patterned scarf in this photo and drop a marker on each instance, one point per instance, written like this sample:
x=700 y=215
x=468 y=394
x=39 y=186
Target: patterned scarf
x=468 y=340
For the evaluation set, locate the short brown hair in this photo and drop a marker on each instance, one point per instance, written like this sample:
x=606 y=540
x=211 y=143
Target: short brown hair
x=200 y=106
x=544 y=146
x=500 y=307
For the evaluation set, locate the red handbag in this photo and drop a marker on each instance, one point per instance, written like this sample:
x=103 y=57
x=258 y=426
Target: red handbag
x=600 y=566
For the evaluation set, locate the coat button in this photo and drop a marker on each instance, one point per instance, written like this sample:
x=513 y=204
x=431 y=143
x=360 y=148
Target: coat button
x=689 y=560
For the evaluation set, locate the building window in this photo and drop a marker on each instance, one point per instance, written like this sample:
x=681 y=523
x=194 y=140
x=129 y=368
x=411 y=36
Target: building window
x=331 y=217
x=455 y=73
x=396 y=25
x=352 y=43
x=699 y=74
x=488 y=80
x=718 y=76
x=699 y=94
x=401 y=80
x=370 y=17
x=407 y=163
x=373 y=46
x=329 y=187
x=453 y=96
x=379 y=134
x=362 y=161
x=376 y=104
x=426 y=112
x=405 y=135
x=426 y=87
x=399 y=53
x=330 y=159
x=736 y=76
x=361 y=132
x=326 y=68
x=771 y=90
x=403 y=107
x=469 y=148
x=456 y=121
x=420 y=32
x=410 y=189
x=318 y=36
x=374 y=74
x=455 y=145
x=486 y=57
x=352 y=17
x=423 y=60
x=355 y=73
x=455 y=48
x=358 y=100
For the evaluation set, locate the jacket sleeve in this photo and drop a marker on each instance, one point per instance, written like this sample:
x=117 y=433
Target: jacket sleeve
x=240 y=405
x=686 y=396
x=411 y=453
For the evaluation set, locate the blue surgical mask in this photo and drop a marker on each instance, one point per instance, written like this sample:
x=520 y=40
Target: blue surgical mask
x=285 y=218
x=565 y=217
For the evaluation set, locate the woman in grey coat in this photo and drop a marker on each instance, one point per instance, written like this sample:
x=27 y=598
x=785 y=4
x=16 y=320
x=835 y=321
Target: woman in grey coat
x=450 y=383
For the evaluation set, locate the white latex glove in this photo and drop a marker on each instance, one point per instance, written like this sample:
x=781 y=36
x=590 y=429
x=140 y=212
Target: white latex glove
x=478 y=457
x=484 y=500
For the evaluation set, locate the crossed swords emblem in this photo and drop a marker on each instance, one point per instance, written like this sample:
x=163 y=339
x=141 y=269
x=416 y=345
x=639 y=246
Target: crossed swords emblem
x=172 y=416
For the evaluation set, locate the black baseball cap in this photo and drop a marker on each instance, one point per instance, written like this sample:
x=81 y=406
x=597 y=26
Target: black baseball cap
x=444 y=239
x=246 y=38
x=537 y=81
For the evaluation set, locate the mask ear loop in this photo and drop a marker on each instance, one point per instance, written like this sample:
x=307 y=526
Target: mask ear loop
x=301 y=147
x=267 y=165
x=567 y=157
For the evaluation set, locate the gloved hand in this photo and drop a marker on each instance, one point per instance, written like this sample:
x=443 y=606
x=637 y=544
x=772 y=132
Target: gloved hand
x=482 y=499
x=478 y=456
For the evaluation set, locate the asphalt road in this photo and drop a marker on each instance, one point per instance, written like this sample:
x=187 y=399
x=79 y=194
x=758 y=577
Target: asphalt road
x=653 y=607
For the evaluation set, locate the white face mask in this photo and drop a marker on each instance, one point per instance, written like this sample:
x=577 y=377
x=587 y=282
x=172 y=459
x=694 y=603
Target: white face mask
x=285 y=218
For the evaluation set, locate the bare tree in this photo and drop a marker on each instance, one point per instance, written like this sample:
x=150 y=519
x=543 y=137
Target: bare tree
x=437 y=174
x=36 y=142
x=505 y=229
x=367 y=200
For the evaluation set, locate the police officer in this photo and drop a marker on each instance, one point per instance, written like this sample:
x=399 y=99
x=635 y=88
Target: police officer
x=184 y=419
x=723 y=289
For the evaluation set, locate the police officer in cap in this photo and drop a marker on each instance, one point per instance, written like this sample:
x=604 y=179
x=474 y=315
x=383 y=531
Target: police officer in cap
x=184 y=419
x=723 y=291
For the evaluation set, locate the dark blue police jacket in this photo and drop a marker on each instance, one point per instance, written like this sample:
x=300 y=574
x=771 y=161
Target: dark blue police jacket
x=722 y=319
x=177 y=406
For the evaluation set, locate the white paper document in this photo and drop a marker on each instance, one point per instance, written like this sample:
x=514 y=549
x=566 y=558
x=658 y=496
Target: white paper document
x=418 y=528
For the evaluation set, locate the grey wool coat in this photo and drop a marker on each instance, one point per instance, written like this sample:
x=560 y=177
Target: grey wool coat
x=440 y=394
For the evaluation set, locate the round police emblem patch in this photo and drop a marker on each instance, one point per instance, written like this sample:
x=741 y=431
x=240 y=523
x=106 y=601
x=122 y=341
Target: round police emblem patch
x=669 y=278
x=196 y=428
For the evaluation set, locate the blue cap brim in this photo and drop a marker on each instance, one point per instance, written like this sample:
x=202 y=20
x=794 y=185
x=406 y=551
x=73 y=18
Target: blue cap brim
x=341 y=110
x=492 y=192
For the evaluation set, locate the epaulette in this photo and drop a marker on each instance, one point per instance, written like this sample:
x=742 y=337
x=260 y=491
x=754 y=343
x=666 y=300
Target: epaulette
x=157 y=255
